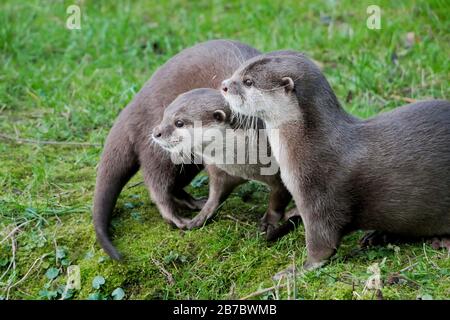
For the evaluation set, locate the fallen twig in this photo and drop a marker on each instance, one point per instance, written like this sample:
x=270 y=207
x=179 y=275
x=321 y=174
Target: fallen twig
x=295 y=277
x=164 y=271
x=49 y=142
x=13 y=258
x=25 y=276
x=337 y=279
x=237 y=220
x=406 y=99
x=262 y=291
x=13 y=231
x=13 y=249
x=136 y=184
x=408 y=267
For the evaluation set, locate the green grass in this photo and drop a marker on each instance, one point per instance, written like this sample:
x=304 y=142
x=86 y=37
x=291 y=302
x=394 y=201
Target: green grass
x=57 y=84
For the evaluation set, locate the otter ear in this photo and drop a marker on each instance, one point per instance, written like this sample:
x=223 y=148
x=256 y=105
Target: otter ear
x=288 y=84
x=219 y=115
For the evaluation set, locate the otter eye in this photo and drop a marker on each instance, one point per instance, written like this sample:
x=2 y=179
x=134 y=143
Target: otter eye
x=179 y=123
x=219 y=115
x=248 y=82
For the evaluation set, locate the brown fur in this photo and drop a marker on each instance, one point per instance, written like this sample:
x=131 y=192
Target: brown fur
x=128 y=147
x=389 y=173
x=200 y=105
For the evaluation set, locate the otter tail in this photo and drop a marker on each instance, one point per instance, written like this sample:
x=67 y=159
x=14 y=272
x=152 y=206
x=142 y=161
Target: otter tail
x=117 y=165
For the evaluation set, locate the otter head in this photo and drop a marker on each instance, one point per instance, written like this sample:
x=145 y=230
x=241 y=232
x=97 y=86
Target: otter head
x=270 y=86
x=188 y=116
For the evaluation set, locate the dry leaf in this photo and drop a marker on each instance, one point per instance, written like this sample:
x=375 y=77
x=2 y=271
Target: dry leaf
x=410 y=39
x=374 y=282
x=73 y=277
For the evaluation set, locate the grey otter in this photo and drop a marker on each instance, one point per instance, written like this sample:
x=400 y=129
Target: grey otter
x=207 y=107
x=128 y=146
x=389 y=173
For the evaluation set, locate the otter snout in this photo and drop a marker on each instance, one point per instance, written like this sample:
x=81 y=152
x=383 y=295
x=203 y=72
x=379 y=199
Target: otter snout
x=164 y=136
x=231 y=87
x=224 y=86
x=157 y=132
x=161 y=132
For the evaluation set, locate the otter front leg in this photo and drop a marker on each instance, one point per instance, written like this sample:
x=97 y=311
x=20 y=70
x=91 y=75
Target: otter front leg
x=221 y=184
x=165 y=201
x=168 y=208
x=188 y=202
x=278 y=200
x=164 y=181
x=322 y=241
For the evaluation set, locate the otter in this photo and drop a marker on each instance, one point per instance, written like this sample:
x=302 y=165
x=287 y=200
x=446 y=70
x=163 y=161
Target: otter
x=206 y=110
x=389 y=173
x=128 y=147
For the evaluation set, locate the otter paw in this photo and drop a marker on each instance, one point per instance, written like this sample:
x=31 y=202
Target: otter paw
x=286 y=273
x=283 y=229
x=274 y=234
x=194 y=223
x=312 y=265
x=179 y=222
x=183 y=226
x=439 y=243
x=266 y=227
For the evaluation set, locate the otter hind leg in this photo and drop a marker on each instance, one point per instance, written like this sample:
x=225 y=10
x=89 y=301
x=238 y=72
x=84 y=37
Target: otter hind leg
x=164 y=181
x=168 y=208
x=278 y=200
x=287 y=226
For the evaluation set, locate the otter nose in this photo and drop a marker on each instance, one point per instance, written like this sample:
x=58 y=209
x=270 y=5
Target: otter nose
x=157 y=133
x=225 y=86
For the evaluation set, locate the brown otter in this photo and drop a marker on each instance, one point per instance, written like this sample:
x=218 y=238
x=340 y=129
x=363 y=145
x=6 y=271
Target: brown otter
x=128 y=146
x=389 y=173
x=206 y=111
